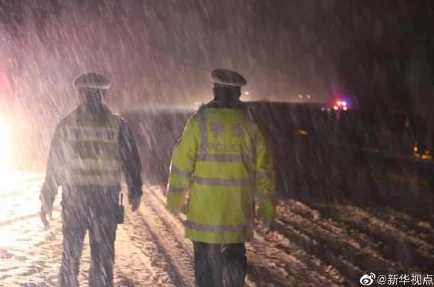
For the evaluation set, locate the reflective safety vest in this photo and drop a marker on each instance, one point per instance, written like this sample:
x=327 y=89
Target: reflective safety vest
x=223 y=160
x=90 y=150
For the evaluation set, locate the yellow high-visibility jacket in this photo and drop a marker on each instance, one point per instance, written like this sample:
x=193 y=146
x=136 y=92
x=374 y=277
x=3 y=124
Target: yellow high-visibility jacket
x=222 y=159
x=90 y=150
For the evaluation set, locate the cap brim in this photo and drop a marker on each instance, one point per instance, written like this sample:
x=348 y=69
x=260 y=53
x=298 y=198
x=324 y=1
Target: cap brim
x=228 y=78
x=225 y=85
x=91 y=86
x=92 y=81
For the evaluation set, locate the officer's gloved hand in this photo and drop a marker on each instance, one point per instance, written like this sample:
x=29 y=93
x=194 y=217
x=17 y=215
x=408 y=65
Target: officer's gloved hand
x=45 y=210
x=134 y=195
x=134 y=203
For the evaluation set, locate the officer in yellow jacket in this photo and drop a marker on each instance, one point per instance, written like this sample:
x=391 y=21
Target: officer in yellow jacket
x=222 y=159
x=89 y=150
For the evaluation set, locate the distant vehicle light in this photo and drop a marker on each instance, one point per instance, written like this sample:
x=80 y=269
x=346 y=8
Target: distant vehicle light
x=426 y=157
x=302 y=132
x=335 y=108
x=345 y=108
x=344 y=104
x=339 y=103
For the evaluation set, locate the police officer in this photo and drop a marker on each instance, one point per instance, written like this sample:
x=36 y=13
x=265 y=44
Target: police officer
x=224 y=162
x=89 y=150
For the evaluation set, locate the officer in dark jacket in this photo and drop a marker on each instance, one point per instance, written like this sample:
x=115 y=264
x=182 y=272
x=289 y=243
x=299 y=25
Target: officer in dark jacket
x=90 y=149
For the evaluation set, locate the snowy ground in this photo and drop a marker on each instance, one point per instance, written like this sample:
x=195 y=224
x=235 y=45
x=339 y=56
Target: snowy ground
x=312 y=244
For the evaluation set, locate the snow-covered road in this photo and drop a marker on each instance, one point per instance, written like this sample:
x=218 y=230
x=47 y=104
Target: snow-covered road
x=314 y=244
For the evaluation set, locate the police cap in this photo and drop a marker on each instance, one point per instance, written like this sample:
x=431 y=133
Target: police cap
x=92 y=81
x=224 y=77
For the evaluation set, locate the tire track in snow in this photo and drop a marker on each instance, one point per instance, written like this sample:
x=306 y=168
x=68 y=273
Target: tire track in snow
x=22 y=218
x=325 y=241
x=148 y=225
x=37 y=265
x=298 y=261
x=408 y=251
x=136 y=264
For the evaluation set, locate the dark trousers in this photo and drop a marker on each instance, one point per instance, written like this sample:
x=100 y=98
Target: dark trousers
x=218 y=265
x=102 y=234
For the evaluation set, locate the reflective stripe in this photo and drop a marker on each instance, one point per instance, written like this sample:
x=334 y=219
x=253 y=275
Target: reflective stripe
x=103 y=180
x=264 y=196
x=227 y=158
x=92 y=134
x=203 y=135
x=180 y=172
x=94 y=172
x=95 y=164
x=222 y=181
x=91 y=152
x=218 y=228
x=263 y=174
x=176 y=189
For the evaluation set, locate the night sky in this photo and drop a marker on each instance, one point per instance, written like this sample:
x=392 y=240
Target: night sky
x=163 y=51
x=160 y=53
